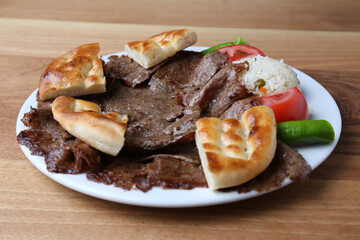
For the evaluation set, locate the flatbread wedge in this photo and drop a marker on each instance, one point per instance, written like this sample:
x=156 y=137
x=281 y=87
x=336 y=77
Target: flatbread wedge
x=157 y=48
x=76 y=73
x=83 y=119
x=234 y=151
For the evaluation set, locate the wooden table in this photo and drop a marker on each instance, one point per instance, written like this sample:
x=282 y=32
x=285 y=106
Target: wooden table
x=318 y=37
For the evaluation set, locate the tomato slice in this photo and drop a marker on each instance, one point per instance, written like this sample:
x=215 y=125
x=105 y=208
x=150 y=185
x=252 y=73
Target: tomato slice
x=287 y=105
x=238 y=52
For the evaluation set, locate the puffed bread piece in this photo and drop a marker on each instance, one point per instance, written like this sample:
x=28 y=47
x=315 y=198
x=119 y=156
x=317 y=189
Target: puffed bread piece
x=157 y=48
x=231 y=151
x=76 y=73
x=83 y=119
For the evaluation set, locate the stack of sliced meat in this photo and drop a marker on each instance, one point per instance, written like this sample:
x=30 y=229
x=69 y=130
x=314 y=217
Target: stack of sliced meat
x=163 y=104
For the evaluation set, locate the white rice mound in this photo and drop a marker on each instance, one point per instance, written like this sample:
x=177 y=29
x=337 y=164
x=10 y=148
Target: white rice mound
x=276 y=74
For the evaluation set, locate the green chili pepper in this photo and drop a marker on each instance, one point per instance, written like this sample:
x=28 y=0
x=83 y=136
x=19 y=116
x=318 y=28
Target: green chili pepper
x=216 y=47
x=307 y=131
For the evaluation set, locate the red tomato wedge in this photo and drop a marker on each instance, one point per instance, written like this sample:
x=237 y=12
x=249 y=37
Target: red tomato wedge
x=287 y=105
x=238 y=52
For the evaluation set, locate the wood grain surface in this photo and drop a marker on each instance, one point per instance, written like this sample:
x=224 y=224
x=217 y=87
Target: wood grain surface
x=321 y=38
x=340 y=15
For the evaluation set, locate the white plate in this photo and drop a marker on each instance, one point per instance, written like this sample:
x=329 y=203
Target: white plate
x=320 y=102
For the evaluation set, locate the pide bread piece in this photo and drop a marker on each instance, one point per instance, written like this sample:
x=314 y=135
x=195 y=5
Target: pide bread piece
x=231 y=151
x=157 y=48
x=76 y=73
x=83 y=119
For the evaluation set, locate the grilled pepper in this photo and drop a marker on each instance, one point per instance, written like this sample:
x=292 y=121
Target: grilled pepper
x=216 y=47
x=306 y=131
